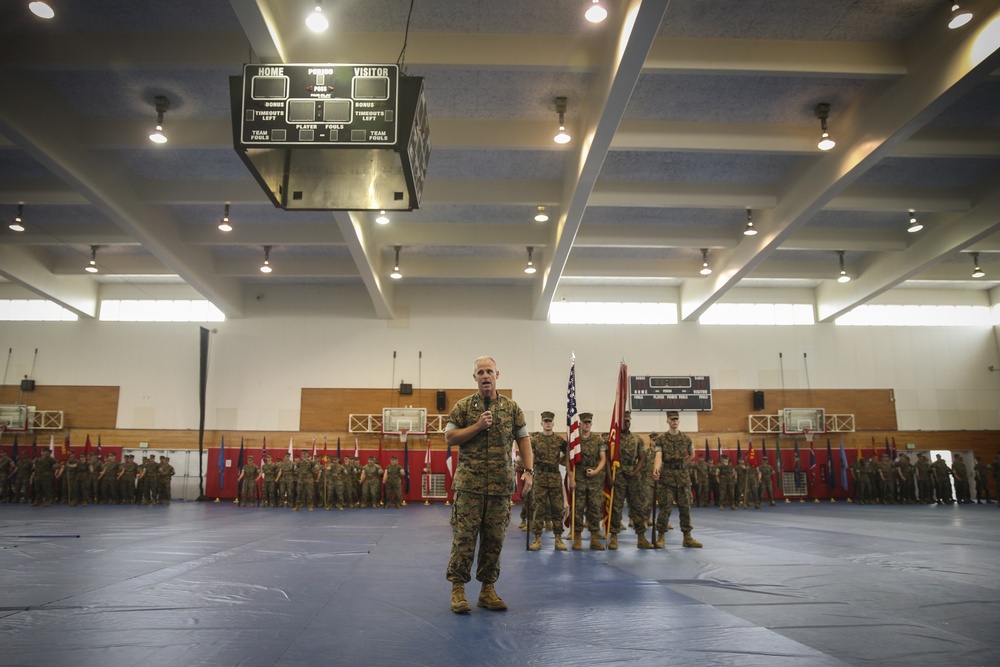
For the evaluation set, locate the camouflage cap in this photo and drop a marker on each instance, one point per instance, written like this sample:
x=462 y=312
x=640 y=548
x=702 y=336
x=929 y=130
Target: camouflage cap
x=586 y=416
x=673 y=414
x=548 y=415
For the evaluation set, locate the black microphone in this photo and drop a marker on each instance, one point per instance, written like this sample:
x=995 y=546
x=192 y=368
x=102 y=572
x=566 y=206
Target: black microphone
x=486 y=402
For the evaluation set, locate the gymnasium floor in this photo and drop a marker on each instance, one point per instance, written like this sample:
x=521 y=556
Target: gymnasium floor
x=213 y=584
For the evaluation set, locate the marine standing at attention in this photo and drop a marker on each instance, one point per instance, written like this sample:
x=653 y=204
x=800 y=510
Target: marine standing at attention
x=549 y=451
x=674 y=451
x=483 y=425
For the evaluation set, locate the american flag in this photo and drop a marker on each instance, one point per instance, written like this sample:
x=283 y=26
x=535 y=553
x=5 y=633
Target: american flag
x=572 y=418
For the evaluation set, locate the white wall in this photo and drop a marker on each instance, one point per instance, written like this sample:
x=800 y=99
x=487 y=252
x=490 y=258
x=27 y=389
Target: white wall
x=258 y=365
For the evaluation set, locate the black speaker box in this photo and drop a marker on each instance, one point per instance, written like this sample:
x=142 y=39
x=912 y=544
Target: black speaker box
x=442 y=401
x=27 y=385
x=758 y=400
x=405 y=389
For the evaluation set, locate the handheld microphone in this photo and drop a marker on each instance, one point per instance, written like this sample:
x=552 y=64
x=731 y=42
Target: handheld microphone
x=486 y=402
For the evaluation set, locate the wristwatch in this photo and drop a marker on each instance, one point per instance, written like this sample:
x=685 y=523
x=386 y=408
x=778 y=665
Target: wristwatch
x=530 y=470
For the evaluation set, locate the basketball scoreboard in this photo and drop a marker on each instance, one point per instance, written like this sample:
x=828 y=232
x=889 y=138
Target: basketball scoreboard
x=659 y=393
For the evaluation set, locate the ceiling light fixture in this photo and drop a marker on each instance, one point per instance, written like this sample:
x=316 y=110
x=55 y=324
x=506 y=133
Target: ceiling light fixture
x=162 y=104
x=266 y=266
x=959 y=17
x=976 y=272
x=915 y=226
x=706 y=270
x=530 y=268
x=749 y=230
x=316 y=21
x=843 y=278
x=17 y=224
x=92 y=266
x=43 y=11
x=396 y=275
x=562 y=137
x=541 y=215
x=224 y=225
x=826 y=142
x=382 y=218
x=596 y=13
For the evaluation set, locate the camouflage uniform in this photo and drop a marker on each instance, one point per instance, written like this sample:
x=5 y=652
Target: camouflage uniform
x=151 y=476
x=371 y=487
x=393 y=477
x=704 y=485
x=924 y=485
x=675 y=483
x=305 y=482
x=742 y=482
x=126 y=480
x=766 y=485
x=961 y=474
x=483 y=485
x=45 y=478
x=727 y=483
x=713 y=480
x=630 y=485
x=673 y=451
x=753 y=488
x=248 y=483
x=6 y=470
x=546 y=490
x=589 y=490
x=71 y=470
x=270 y=486
x=942 y=483
x=982 y=483
x=109 y=481
x=24 y=469
x=903 y=474
x=287 y=482
x=163 y=477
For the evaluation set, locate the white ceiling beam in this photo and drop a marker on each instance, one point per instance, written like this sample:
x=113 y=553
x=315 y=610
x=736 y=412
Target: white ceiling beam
x=603 y=109
x=886 y=270
x=368 y=261
x=39 y=125
x=877 y=121
x=752 y=57
x=77 y=293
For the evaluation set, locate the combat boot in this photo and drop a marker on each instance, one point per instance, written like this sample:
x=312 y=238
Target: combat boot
x=488 y=598
x=643 y=543
x=536 y=545
x=596 y=544
x=660 y=543
x=670 y=526
x=560 y=545
x=613 y=542
x=577 y=543
x=523 y=526
x=458 y=602
x=691 y=542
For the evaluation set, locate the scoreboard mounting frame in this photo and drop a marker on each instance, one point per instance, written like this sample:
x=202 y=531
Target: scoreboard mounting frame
x=659 y=393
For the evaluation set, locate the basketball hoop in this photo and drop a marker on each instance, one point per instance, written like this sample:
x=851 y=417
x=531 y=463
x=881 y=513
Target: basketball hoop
x=403 y=432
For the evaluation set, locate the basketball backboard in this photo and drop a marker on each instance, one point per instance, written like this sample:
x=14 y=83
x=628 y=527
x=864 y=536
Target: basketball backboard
x=413 y=420
x=795 y=421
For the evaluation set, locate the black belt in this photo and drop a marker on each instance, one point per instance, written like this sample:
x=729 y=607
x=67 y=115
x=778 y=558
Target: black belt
x=674 y=466
x=541 y=468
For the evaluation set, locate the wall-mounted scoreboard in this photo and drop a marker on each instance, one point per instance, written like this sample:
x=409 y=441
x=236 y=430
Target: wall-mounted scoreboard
x=658 y=393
